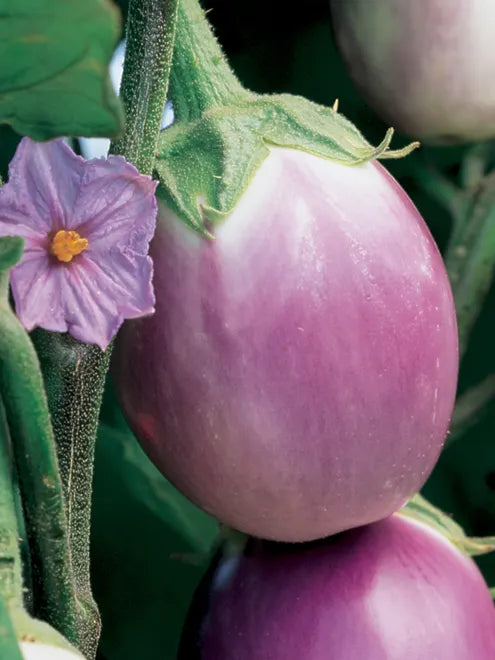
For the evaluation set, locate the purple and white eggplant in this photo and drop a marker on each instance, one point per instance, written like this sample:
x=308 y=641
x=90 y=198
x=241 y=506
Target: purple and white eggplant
x=425 y=66
x=298 y=376
x=394 y=590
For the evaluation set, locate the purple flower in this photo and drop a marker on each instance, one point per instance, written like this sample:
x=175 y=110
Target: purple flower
x=87 y=226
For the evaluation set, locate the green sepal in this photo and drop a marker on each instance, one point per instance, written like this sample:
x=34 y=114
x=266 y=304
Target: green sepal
x=206 y=165
x=11 y=249
x=294 y=122
x=418 y=508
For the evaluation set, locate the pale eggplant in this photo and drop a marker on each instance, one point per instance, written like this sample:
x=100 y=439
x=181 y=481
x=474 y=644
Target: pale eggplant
x=299 y=373
x=394 y=590
x=426 y=66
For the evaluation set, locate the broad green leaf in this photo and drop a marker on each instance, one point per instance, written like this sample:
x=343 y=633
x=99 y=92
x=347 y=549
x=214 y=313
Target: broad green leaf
x=148 y=486
x=54 y=73
x=150 y=547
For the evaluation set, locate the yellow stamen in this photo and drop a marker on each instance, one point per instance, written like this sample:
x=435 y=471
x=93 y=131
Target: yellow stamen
x=66 y=244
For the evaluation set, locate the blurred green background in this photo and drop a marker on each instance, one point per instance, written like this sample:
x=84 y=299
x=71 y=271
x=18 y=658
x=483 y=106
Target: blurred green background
x=150 y=546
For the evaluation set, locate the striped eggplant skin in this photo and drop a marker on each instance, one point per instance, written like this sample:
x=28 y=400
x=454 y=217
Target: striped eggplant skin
x=299 y=373
x=393 y=590
x=426 y=67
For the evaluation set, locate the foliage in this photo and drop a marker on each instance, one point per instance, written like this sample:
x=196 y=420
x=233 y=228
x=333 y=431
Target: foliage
x=150 y=547
x=56 y=82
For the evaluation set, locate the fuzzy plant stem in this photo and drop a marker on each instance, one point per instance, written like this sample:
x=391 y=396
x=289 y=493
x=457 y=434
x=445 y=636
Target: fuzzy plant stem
x=35 y=456
x=74 y=396
x=201 y=77
x=150 y=38
x=74 y=372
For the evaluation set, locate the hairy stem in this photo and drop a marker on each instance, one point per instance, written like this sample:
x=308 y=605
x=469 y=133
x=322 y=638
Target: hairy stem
x=150 y=39
x=35 y=455
x=74 y=373
x=201 y=77
x=74 y=388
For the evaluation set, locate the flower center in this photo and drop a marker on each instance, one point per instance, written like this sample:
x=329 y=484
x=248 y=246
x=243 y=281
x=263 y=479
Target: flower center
x=66 y=244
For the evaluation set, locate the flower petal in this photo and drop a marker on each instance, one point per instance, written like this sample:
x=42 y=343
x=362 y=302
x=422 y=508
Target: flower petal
x=81 y=297
x=36 y=289
x=127 y=280
x=116 y=206
x=96 y=304
x=43 y=185
x=63 y=298
x=91 y=317
x=14 y=221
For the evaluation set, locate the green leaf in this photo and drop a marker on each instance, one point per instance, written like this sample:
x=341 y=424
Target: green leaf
x=156 y=542
x=54 y=75
x=11 y=249
x=149 y=487
x=421 y=510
